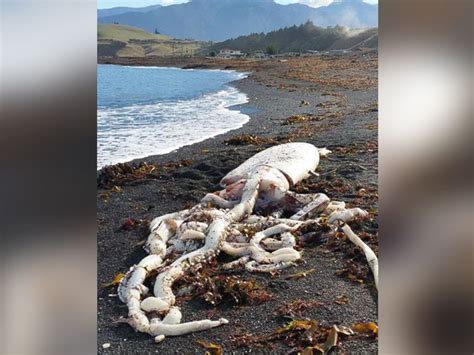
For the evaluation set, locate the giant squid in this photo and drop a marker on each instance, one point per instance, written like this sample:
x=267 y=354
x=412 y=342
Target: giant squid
x=218 y=224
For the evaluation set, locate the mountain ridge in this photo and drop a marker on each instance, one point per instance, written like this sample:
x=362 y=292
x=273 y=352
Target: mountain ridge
x=124 y=9
x=219 y=20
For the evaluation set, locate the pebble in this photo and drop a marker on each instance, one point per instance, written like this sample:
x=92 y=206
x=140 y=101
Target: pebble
x=106 y=345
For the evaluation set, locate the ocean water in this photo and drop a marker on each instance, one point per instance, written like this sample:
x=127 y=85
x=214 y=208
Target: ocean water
x=144 y=111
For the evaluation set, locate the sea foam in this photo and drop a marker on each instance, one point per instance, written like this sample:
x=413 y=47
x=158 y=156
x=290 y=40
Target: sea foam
x=138 y=131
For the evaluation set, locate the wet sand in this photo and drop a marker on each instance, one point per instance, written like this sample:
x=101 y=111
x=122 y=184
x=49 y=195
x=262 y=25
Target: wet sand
x=339 y=106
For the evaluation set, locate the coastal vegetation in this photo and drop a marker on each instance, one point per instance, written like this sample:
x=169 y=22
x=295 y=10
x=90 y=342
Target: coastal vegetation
x=303 y=38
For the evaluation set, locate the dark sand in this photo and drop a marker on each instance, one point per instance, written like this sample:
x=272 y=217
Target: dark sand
x=348 y=127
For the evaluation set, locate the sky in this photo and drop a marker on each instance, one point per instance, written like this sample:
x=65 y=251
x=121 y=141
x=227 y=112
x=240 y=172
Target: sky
x=105 y=4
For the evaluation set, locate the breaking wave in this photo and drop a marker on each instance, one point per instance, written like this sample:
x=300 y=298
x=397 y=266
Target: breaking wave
x=137 y=131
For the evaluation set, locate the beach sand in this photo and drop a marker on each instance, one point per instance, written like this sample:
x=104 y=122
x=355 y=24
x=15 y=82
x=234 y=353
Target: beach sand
x=337 y=96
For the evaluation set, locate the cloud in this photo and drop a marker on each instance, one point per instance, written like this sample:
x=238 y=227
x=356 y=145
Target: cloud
x=140 y=3
x=105 y=4
x=317 y=3
x=171 y=2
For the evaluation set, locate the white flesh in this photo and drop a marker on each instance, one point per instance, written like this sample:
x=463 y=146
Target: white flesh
x=347 y=215
x=295 y=160
x=369 y=253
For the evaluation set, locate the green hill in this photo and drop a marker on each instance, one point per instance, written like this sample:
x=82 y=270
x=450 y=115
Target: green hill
x=116 y=40
x=125 y=33
x=306 y=37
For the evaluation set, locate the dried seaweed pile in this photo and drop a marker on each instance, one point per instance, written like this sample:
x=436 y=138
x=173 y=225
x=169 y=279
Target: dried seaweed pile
x=344 y=72
x=307 y=337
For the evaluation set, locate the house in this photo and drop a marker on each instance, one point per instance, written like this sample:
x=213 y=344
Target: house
x=230 y=53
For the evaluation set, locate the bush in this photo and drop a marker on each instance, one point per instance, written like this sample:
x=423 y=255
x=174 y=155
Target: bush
x=270 y=50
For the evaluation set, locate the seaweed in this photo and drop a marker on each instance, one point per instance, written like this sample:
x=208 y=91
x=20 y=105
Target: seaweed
x=355 y=272
x=369 y=329
x=296 y=119
x=301 y=335
x=133 y=224
x=300 y=274
x=341 y=299
x=234 y=289
x=359 y=73
x=246 y=139
x=115 y=281
x=303 y=119
x=296 y=309
x=120 y=174
x=114 y=176
x=211 y=348
x=215 y=288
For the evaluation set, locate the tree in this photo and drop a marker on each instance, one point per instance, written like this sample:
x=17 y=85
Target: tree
x=270 y=50
x=212 y=54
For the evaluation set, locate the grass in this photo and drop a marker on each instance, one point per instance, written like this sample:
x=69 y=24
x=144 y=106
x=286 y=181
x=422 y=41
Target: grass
x=127 y=41
x=124 y=33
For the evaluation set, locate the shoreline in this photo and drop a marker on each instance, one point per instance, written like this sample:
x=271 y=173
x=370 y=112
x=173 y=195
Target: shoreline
x=164 y=66
x=188 y=63
x=340 y=118
x=229 y=106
